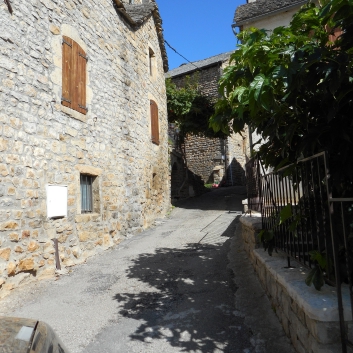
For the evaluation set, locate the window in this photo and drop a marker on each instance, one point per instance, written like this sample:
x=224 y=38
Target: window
x=74 y=61
x=151 y=59
x=86 y=183
x=154 y=122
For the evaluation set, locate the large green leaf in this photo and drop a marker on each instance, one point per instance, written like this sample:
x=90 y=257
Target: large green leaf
x=315 y=277
x=285 y=213
x=316 y=256
x=256 y=86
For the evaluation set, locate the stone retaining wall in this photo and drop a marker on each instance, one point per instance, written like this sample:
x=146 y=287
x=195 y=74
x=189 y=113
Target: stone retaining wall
x=309 y=317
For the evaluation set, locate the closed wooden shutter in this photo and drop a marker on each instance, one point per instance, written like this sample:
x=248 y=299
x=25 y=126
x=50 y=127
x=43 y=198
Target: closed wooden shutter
x=154 y=122
x=79 y=79
x=74 y=76
x=67 y=72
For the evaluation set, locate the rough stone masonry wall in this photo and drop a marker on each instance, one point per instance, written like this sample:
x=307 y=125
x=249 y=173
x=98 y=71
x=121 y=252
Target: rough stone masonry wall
x=204 y=153
x=206 y=79
x=309 y=317
x=201 y=152
x=43 y=143
x=237 y=153
x=237 y=156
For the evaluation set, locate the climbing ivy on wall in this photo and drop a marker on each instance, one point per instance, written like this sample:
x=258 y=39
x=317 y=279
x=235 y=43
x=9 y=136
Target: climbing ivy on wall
x=189 y=109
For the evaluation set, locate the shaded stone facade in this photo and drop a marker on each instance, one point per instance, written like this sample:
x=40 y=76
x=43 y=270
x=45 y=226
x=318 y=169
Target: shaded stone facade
x=214 y=160
x=44 y=143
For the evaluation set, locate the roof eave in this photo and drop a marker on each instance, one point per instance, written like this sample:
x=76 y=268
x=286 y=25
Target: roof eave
x=158 y=24
x=256 y=18
x=199 y=69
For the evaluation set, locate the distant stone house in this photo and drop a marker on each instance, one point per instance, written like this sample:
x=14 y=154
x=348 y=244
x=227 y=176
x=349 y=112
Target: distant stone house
x=214 y=159
x=83 y=131
x=267 y=14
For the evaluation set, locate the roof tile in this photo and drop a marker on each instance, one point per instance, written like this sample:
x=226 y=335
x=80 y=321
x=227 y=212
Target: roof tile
x=190 y=67
x=262 y=7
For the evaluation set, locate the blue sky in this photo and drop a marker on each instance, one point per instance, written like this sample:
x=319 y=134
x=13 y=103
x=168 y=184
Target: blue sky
x=198 y=29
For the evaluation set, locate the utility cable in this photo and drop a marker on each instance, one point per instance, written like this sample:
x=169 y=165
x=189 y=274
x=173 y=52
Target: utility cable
x=7 y=2
x=180 y=54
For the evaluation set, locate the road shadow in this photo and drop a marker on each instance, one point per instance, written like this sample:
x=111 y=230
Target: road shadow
x=190 y=300
x=218 y=199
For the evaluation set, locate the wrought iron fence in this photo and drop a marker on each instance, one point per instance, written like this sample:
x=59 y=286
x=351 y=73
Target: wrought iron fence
x=253 y=183
x=301 y=188
x=296 y=204
x=341 y=220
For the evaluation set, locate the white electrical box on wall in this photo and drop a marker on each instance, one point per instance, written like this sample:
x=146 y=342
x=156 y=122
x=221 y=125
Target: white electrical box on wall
x=56 y=201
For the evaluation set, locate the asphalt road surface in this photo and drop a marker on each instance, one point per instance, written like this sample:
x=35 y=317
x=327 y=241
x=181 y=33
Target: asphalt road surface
x=167 y=289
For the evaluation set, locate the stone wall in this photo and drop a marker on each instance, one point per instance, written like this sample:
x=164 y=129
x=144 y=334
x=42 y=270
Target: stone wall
x=204 y=154
x=206 y=78
x=309 y=317
x=237 y=155
x=42 y=142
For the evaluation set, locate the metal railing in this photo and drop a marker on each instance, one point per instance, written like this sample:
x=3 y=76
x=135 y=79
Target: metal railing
x=296 y=204
x=301 y=188
x=341 y=221
x=253 y=183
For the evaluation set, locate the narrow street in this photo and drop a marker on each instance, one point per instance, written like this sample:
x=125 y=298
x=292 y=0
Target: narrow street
x=167 y=289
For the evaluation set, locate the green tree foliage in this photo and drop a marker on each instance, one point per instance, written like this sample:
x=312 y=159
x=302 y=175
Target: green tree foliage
x=295 y=88
x=189 y=109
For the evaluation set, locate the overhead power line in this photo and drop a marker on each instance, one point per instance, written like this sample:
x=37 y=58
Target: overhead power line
x=180 y=54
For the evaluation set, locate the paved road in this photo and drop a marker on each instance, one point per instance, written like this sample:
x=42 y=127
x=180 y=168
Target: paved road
x=168 y=289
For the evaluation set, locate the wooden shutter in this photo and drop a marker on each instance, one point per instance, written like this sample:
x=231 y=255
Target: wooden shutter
x=79 y=79
x=154 y=122
x=66 y=98
x=74 y=76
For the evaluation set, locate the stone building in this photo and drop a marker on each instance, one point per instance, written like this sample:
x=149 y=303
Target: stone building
x=213 y=159
x=267 y=14
x=83 y=130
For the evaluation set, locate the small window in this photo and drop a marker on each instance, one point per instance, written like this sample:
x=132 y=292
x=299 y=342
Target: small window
x=151 y=58
x=154 y=122
x=74 y=61
x=86 y=183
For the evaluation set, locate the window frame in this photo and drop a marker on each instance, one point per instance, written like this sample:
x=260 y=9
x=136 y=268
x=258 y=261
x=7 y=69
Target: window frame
x=86 y=193
x=151 y=61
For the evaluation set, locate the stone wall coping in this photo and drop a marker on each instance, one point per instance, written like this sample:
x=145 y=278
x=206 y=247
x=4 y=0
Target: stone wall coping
x=317 y=305
x=252 y=220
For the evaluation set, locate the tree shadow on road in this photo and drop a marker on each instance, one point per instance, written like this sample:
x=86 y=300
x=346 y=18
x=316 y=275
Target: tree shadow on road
x=189 y=303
